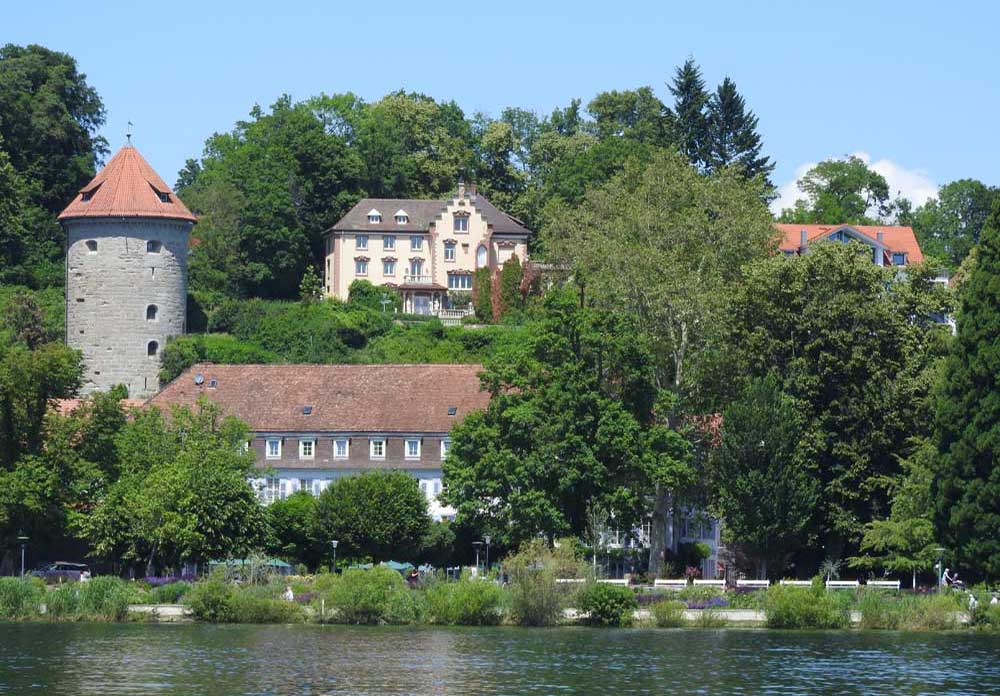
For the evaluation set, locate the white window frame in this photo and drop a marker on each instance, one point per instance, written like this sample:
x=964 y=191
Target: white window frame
x=389 y=242
x=462 y=226
x=347 y=448
x=267 y=448
x=361 y=242
x=360 y=268
x=371 y=448
x=445 y=446
x=409 y=441
x=449 y=251
x=402 y=219
x=416 y=242
x=389 y=268
x=459 y=281
x=310 y=443
x=271 y=490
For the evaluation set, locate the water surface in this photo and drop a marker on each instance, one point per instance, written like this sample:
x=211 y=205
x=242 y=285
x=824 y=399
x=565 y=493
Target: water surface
x=202 y=659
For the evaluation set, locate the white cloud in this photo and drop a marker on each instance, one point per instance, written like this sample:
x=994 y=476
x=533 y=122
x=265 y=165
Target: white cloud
x=913 y=184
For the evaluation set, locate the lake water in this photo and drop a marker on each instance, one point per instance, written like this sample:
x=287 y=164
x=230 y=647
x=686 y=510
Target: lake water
x=202 y=659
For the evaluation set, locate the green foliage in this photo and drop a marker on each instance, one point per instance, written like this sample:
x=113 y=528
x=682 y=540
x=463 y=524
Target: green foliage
x=839 y=191
x=803 y=607
x=967 y=480
x=63 y=602
x=511 y=276
x=758 y=482
x=536 y=599
x=936 y=612
x=438 y=545
x=362 y=293
x=311 y=287
x=294 y=529
x=607 y=605
x=171 y=593
x=467 y=602
x=182 y=352
x=568 y=424
x=733 y=139
x=49 y=120
x=691 y=121
x=20 y=598
x=375 y=596
x=215 y=600
x=669 y=613
x=105 y=597
x=379 y=514
x=482 y=294
x=949 y=227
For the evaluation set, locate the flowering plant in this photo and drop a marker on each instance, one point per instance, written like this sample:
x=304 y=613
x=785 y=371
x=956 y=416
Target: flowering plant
x=691 y=572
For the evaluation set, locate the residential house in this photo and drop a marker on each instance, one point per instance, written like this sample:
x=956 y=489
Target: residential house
x=890 y=245
x=427 y=250
x=312 y=424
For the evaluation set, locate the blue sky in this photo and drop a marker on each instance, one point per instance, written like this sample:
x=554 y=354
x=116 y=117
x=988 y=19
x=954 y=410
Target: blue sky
x=914 y=85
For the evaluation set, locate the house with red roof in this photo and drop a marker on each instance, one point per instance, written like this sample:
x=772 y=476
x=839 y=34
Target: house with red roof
x=891 y=245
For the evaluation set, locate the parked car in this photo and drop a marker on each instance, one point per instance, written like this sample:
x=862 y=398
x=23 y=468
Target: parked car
x=62 y=571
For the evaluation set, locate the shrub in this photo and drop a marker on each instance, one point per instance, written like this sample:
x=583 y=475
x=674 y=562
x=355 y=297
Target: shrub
x=607 y=605
x=245 y=606
x=669 y=614
x=803 y=607
x=879 y=611
x=466 y=603
x=217 y=601
x=536 y=599
x=20 y=598
x=105 y=597
x=373 y=596
x=710 y=617
x=209 y=599
x=170 y=593
x=930 y=613
x=63 y=602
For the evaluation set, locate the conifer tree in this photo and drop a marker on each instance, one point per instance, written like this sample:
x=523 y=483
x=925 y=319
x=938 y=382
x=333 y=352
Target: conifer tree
x=732 y=133
x=691 y=121
x=967 y=481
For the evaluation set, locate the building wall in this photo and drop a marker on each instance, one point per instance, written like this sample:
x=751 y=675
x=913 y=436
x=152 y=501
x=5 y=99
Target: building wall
x=108 y=292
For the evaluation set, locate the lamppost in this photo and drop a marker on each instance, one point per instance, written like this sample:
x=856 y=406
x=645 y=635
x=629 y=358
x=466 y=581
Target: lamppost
x=940 y=567
x=477 y=544
x=23 y=541
x=334 y=545
x=385 y=301
x=487 y=539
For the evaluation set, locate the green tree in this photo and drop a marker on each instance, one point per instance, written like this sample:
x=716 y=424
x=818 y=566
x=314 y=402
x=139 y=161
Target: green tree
x=183 y=494
x=689 y=112
x=511 y=276
x=293 y=528
x=854 y=344
x=49 y=119
x=967 y=479
x=381 y=515
x=311 y=287
x=904 y=541
x=758 y=482
x=733 y=139
x=636 y=114
x=949 y=226
x=569 y=422
x=840 y=191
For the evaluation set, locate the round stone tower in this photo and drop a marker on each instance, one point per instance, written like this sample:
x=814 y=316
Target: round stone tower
x=126 y=273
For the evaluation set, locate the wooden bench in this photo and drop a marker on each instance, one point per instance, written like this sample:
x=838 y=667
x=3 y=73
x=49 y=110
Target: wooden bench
x=622 y=582
x=758 y=584
x=796 y=583
x=842 y=584
x=883 y=584
x=671 y=583
x=721 y=584
x=568 y=581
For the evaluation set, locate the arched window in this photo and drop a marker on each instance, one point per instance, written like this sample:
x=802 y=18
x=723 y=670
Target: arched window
x=151 y=349
x=153 y=246
x=151 y=312
x=92 y=246
x=481 y=256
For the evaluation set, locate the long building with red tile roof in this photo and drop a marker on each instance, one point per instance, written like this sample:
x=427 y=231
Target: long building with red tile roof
x=891 y=244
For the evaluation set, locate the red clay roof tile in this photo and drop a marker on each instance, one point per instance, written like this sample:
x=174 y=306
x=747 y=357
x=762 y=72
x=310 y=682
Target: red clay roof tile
x=898 y=239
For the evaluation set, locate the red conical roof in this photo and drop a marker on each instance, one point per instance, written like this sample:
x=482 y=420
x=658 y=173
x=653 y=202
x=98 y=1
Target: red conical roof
x=127 y=187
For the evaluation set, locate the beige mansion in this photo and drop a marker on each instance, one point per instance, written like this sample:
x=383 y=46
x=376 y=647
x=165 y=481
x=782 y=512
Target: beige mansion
x=425 y=249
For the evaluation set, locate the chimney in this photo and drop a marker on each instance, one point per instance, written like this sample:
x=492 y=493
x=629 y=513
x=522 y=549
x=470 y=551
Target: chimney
x=461 y=189
x=802 y=239
x=472 y=187
x=880 y=236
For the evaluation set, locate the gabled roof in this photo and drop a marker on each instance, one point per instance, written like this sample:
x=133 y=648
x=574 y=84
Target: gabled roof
x=343 y=398
x=126 y=187
x=422 y=212
x=898 y=239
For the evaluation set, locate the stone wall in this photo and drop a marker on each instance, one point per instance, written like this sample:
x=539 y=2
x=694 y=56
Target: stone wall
x=123 y=299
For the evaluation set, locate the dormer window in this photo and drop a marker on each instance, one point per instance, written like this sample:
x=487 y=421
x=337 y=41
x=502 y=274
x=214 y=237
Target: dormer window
x=401 y=217
x=164 y=197
x=86 y=196
x=374 y=217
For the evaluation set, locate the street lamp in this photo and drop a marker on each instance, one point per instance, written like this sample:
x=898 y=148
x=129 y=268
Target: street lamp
x=477 y=544
x=334 y=545
x=940 y=567
x=23 y=541
x=487 y=539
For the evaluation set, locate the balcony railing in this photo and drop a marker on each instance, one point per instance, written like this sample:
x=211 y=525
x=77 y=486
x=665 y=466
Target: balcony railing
x=418 y=279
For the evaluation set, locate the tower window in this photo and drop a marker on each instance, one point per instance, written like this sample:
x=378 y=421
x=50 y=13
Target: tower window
x=92 y=246
x=151 y=349
x=164 y=197
x=86 y=196
x=153 y=246
x=151 y=312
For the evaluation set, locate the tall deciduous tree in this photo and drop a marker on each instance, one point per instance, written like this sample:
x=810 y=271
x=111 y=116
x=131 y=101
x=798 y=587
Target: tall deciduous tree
x=760 y=484
x=733 y=139
x=948 y=227
x=967 y=479
x=840 y=191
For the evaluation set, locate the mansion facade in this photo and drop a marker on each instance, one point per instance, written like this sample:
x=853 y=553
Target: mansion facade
x=313 y=424
x=427 y=250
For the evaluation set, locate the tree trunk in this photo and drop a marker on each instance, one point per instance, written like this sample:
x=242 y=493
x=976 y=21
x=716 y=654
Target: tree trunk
x=658 y=532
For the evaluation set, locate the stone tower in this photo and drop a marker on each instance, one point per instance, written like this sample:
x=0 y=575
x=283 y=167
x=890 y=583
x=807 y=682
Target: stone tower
x=126 y=273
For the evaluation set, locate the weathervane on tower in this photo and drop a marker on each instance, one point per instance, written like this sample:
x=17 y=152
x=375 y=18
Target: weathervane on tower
x=128 y=133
